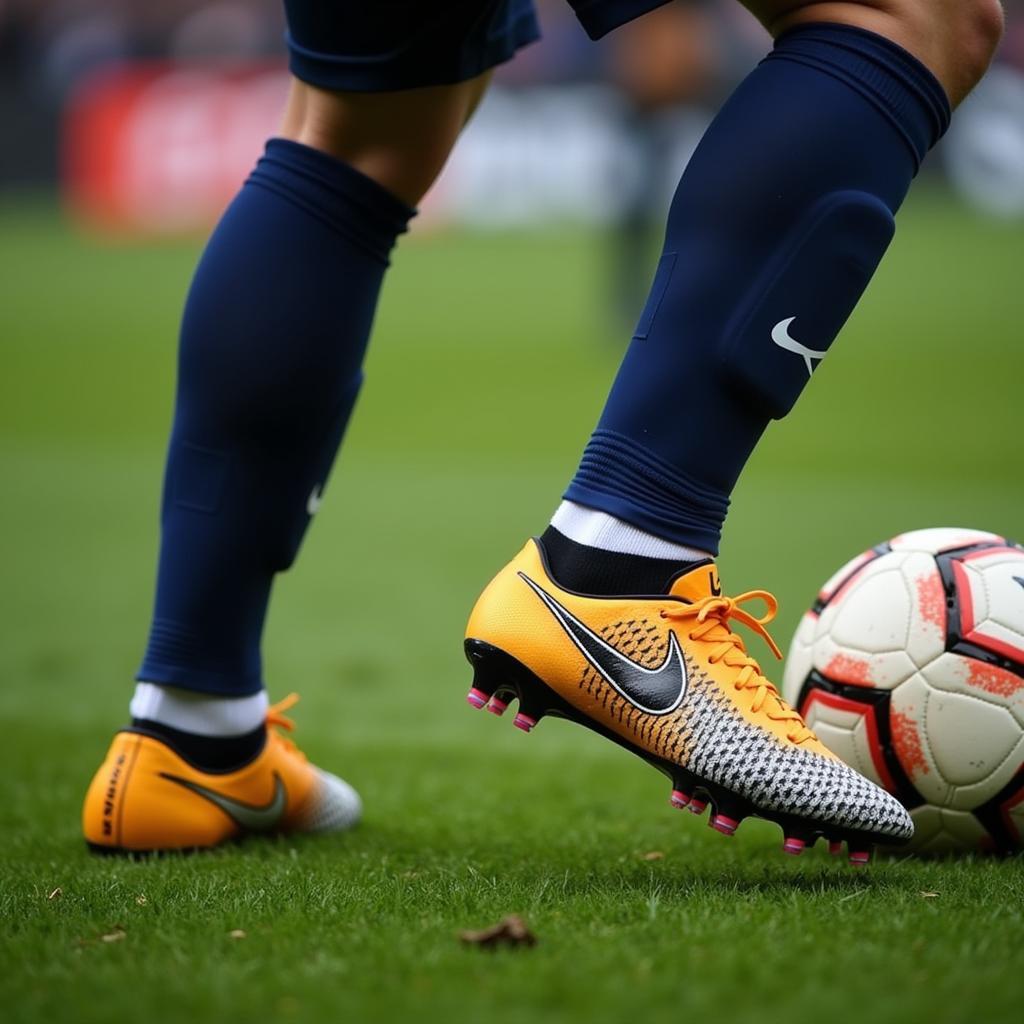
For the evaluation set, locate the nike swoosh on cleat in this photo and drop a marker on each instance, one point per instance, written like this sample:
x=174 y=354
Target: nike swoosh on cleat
x=782 y=338
x=656 y=691
x=247 y=816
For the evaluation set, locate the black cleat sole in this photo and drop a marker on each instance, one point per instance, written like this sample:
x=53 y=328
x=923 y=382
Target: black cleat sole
x=497 y=674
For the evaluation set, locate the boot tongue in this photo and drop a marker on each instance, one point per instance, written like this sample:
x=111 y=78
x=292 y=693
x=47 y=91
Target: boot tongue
x=697 y=582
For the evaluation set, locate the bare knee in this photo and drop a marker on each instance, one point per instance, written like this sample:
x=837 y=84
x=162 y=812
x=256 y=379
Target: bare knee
x=955 y=39
x=977 y=38
x=400 y=139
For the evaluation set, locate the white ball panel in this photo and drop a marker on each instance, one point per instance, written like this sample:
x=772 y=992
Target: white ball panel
x=997 y=598
x=874 y=615
x=970 y=798
x=868 y=569
x=907 y=711
x=973 y=744
x=938 y=539
x=865 y=762
x=995 y=636
x=954 y=673
x=938 y=830
x=844 y=665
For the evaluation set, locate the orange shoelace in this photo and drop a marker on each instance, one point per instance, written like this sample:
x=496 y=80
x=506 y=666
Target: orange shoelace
x=712 y=615
x=276 y=716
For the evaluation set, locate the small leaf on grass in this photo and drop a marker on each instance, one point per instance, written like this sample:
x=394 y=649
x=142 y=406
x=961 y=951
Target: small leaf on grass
x=56 y=894
x=653 y=855
x=509 y=931
x=116 y=934
x=236 y=933
x=929 y=895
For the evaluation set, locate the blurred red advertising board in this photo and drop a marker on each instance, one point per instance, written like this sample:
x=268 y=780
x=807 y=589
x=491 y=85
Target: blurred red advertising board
x=157 y=148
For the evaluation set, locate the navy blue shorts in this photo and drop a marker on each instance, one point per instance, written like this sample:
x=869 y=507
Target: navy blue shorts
x=379 y=45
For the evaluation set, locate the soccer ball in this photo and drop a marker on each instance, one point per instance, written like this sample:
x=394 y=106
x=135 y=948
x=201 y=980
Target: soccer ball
x=910 y=667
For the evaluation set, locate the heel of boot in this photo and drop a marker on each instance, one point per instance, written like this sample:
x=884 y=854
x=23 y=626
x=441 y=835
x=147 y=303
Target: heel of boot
x=498 y=679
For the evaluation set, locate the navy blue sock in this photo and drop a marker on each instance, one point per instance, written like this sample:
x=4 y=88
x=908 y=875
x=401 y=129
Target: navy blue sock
x=775 y=230
x=272 y=344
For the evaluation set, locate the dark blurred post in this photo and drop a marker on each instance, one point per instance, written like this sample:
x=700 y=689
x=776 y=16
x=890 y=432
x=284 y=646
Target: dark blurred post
x=661 y=62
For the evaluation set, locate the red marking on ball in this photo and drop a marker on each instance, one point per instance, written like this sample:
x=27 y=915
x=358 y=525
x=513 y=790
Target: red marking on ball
x=845 y=669
x=907 y=742
x=931 y=599
x=995 y=680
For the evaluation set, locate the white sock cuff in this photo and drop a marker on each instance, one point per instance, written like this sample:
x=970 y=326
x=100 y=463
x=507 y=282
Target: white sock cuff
x=199 y=713
x=600 y=530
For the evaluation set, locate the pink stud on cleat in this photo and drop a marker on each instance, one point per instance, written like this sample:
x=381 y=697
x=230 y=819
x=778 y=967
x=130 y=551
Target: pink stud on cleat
x=724 y=824
x=835 y=848
x=477 y=698
x=678 y=799
x=497 y=707
x=524 y=722
x=859 y=858
x=792 y=846
x=697 y=806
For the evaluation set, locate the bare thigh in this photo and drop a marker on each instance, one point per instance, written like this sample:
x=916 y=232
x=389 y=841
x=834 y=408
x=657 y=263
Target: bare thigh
x=400 y=139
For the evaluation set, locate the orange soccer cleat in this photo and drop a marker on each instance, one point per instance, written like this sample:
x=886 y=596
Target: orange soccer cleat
x=146 y=797
x=666 y=677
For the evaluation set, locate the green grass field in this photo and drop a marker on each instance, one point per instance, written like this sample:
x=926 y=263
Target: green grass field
x=490 y=363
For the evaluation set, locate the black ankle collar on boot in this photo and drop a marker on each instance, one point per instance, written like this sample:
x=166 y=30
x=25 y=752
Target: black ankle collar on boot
x=214 y=754
x=588 y=570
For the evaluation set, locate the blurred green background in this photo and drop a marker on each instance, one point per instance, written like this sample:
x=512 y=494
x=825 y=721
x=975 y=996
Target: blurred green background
x=492 y=355
x=490 y=362
x=493 y=352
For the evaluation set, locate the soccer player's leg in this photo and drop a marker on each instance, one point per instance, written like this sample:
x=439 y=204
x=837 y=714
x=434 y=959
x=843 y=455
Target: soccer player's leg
x=777 y=225
x=272 y=343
